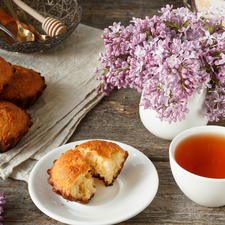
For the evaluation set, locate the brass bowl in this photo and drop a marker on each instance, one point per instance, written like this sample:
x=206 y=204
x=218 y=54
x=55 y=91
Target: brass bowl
x=66 y=11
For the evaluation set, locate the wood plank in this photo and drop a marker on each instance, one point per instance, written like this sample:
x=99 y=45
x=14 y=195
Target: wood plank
x=101 y=14
x=170 y=205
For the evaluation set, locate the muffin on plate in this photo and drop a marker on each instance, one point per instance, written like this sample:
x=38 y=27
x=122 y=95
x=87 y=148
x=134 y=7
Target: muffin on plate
x=6 y=73
x=15 y=123
x=71 y=178
x=106 y=159
x=26 y=87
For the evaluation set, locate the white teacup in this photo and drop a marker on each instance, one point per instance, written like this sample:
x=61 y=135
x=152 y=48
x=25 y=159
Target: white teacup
x=209 y=192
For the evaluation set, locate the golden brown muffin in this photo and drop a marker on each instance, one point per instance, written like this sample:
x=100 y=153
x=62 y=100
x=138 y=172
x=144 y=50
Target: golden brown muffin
x=26 y=87
x=106 y=159
x=6 y=74
x=70 y=177
x=14 y=125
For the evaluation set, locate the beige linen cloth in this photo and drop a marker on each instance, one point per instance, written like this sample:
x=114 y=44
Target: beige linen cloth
x=70 y=94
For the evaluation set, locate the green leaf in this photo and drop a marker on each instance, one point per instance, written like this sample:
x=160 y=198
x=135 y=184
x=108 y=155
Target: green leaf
x=210 y=29
x=186 y=24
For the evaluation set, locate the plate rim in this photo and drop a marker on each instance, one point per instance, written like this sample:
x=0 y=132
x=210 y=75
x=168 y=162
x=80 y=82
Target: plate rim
x=61 y=148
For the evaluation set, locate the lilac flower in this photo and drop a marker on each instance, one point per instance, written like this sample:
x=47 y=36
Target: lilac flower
x=139 y=51
x=208 y=37
x=2 y=202
x=169 y=58
x=222 y=60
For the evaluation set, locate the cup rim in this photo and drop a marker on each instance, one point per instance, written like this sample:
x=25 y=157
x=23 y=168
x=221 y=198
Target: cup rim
x=187 y=133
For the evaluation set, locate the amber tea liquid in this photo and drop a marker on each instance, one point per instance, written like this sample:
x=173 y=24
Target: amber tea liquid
x=203 y=155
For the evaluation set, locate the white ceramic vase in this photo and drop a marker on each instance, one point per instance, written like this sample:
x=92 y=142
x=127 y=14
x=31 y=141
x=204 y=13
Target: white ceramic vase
x=167 y=131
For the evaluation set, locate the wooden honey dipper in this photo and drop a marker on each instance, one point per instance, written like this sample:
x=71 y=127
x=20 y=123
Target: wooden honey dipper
x=50 y=25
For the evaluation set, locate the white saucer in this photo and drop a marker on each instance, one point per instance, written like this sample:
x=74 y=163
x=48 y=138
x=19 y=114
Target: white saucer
x=132 y=191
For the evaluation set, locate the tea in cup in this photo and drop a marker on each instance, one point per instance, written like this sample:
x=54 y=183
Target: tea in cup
x=197 y=161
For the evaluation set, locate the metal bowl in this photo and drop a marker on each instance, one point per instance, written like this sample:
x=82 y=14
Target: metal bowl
x=66 y=11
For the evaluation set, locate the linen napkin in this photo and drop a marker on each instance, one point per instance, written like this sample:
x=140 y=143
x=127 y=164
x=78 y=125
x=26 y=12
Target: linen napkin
x=70 y=94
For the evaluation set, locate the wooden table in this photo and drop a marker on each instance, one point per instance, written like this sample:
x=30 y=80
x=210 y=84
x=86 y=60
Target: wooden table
x=116 y=118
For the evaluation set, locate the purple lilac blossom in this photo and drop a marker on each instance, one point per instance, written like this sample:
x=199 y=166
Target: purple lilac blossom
x=2 y=202
x=169 y=58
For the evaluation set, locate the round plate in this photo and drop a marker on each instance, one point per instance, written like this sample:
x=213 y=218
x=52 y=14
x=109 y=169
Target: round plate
x=132 y=191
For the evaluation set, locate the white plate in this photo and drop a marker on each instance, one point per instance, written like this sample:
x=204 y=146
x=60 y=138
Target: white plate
x=132 y=191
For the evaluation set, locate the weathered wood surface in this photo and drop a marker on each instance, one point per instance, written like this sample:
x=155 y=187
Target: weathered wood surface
x=116 y=117
x=100 y=14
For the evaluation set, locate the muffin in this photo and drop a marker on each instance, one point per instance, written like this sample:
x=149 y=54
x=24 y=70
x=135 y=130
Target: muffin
x=26 y=87
x=6 y=74
x=14 y=125
x=70 y=177
x=106 y=159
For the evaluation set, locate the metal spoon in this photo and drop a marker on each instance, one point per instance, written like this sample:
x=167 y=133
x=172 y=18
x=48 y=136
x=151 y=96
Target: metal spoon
x=51 y=26
x=8 y=32
x=23 y=34
x=38 y=36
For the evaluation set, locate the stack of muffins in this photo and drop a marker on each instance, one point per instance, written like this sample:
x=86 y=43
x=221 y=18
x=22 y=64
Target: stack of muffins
x=19 y=89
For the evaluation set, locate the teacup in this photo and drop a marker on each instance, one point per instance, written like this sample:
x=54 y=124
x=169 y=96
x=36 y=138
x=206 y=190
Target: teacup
x=205 y=191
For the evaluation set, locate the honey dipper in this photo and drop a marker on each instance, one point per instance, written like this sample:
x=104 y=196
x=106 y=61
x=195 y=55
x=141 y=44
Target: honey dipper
x=50 y=25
